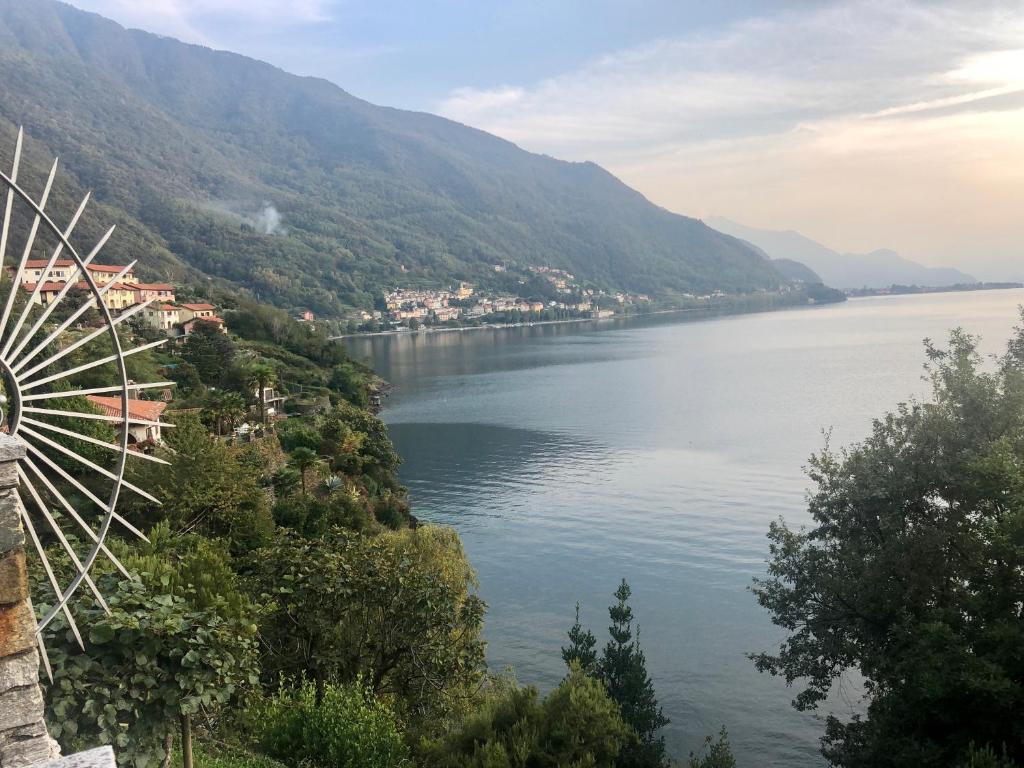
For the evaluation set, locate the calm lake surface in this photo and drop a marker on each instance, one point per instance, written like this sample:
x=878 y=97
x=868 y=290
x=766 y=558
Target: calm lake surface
x=570 y=456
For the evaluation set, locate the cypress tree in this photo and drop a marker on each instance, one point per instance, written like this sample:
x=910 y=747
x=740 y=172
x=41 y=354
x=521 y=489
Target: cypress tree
x=623 y=669
x=581 y=648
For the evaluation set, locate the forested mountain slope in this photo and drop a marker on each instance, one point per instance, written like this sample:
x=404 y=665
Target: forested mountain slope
x=305 y=195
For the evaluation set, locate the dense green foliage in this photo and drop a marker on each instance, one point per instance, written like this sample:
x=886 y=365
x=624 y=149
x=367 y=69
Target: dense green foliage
x=186 y=148
x=153 y=659
x=577 y=724
x=912 y=573
x=344 y=727
x=393 y=610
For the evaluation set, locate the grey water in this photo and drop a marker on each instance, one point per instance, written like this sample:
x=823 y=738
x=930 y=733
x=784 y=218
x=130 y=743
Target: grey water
x=571 y=456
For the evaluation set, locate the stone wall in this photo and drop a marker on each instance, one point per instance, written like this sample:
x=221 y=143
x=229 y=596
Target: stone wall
x=23 y=736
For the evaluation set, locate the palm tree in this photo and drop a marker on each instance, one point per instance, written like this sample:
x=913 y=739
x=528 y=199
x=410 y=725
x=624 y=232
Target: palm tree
x=232 y=407
x=304 y=459
x=214 y=410
x=261 y=374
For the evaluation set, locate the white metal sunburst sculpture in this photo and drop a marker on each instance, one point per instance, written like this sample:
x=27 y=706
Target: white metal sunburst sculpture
x=41 y=327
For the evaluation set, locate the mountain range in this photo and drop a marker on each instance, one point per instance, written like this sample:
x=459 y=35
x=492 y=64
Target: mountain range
x=878 y=269
x=222 y=168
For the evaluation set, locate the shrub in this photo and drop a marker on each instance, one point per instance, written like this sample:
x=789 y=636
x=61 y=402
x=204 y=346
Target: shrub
x=576 y=725
x=221 y=756
x=349 y=728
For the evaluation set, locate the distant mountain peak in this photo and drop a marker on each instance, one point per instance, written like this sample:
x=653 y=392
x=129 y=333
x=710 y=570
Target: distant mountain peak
x=880 y=268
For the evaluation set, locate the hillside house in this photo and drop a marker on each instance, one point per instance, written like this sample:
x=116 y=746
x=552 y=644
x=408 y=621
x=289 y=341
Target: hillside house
x=117 y=296
x=193 y=311
x=160 y=291
x=189 y=325
x=141 y=435
x=162 y=316
x=273 y=401
x=65 y=269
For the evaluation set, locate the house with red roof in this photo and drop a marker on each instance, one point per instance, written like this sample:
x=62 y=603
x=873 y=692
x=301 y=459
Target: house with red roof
x=162 y=316
x=64 y=270
x=160 y=291
x=117 y=296
x=143 y=417
x=189 y=325
x=191 y=311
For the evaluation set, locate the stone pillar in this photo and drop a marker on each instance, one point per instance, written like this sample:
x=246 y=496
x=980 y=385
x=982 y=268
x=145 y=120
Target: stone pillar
x=23 y=736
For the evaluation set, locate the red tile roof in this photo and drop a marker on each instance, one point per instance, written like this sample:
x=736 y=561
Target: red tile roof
x=41 y=264
x=148 y=410
x=198 y=307
x=152 y=286
x=211 y=319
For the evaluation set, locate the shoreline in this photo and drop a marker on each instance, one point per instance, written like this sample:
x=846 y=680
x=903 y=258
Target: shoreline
x=614 y=318
x=681 y=310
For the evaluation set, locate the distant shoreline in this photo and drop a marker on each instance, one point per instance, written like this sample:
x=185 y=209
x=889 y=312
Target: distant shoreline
x=914 y=290
x=530 y=324
x=855 y=294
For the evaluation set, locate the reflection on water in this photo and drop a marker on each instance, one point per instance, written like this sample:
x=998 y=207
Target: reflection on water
x=571 y=456
x=456 y=471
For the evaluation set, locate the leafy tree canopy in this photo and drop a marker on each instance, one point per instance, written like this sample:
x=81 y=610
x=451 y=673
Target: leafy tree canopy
x=912 y=572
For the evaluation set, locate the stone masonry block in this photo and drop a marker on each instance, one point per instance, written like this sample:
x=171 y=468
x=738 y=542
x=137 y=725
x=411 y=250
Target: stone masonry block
x=11 y=533
x=13 y=577
x=17 y=629
x=11 y=452
x=21 y=706
x=27 y=745
x=19 y=671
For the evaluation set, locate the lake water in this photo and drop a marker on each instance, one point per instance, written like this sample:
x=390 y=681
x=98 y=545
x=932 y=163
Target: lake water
x=571 y=456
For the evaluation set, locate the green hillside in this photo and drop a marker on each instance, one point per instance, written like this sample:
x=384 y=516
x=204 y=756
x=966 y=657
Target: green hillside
x=216 y=165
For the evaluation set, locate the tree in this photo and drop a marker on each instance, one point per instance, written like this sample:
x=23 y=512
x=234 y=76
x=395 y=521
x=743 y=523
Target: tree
x=349 y=382
x=912 y=572
x=232 y=407
x=582 y=725
x=259 y=375
x=304 y=459
x=205 y=489
x=209 y=351
x=224 y=406
x=397 y=610
x=582 y=647
x=715 y=754
x=623 y=669
x=357 y=442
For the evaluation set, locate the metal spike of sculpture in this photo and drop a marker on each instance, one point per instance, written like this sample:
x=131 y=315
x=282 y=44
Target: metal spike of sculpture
x=47 y=351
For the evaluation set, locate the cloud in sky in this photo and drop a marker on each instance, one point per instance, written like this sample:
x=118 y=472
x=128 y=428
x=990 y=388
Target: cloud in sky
x=863 y=124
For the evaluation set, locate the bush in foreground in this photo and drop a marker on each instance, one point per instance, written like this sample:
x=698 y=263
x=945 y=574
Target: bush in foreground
x=349 y=728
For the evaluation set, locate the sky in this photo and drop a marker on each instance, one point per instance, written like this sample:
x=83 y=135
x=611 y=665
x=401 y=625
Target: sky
x=866 y=124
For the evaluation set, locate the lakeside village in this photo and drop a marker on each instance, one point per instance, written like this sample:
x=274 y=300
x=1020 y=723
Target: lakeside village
x=558 y=297
x=154 y=307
